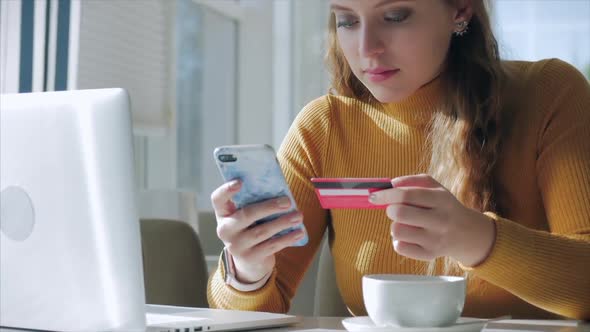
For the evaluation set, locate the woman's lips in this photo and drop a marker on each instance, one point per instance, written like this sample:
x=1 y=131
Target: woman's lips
x=380 y=75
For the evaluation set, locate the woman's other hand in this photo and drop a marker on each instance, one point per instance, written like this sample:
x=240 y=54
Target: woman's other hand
x=252 y=247
x=429 y=222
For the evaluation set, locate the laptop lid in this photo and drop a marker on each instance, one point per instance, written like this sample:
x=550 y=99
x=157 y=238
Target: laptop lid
x=70 y=247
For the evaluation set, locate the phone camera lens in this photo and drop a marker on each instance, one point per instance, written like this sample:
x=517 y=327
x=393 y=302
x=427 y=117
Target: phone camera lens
x=227 y=158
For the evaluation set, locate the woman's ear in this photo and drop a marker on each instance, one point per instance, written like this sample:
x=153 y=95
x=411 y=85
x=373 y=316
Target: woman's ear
x=464 y=11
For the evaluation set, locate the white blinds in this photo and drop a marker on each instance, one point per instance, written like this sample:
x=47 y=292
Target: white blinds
x=129 y=44
x=10 y=17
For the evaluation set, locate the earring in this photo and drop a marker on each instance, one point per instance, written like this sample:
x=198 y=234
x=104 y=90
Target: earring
x=462 y=28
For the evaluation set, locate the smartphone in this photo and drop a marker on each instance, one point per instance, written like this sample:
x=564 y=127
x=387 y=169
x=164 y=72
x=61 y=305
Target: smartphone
x=257 y=167
x=349 y=193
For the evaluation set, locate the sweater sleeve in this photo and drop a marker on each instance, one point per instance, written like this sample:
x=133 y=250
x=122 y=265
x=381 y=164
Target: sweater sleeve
x=300 y=157
x=549 y=269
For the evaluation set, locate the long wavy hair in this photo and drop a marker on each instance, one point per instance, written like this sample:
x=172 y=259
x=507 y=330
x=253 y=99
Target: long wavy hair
x=466 y=129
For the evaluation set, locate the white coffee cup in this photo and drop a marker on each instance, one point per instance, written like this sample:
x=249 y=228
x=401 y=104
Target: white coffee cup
x=413 y=300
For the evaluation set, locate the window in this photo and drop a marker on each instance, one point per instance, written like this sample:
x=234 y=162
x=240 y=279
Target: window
x=206 y=80
x=533 y=30
x=244 y=69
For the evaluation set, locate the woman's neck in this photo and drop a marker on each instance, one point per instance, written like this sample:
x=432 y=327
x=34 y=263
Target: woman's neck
x=418 y=108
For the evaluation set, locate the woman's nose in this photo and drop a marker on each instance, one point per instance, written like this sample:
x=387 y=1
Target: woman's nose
x=370 y=44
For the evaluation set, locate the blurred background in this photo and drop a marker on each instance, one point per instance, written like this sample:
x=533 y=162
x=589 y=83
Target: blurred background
x=204 y=73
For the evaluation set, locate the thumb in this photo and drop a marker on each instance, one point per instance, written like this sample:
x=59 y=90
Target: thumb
x=419 y=180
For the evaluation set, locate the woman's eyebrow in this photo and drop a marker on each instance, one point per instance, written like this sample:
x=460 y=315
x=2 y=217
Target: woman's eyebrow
x=380 y=4
x=387 y=2
x=339 y=7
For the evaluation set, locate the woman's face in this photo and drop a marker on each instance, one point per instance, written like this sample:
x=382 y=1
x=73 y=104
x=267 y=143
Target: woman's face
x=395 y=46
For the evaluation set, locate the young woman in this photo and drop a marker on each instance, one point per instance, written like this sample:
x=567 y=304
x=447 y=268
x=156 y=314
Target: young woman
x=489 y=160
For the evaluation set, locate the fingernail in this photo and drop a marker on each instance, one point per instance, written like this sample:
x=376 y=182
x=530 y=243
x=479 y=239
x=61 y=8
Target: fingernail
x=372 y=198
x=296 y=219
x=394 y=182
x=284 y=202
x=235 y=184
x=300 y=235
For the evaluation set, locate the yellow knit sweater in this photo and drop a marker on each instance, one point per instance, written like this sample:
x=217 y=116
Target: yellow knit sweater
x=539 y=266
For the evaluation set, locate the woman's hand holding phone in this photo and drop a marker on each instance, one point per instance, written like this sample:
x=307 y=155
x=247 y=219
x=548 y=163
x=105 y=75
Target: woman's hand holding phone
x=253 y=247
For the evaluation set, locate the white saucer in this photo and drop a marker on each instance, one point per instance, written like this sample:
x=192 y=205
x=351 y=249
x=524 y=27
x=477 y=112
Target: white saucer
x=365 y=324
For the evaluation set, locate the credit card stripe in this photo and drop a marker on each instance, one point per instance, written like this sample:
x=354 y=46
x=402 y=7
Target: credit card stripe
x=350 y=179
x=352 y=185
x=344 y=192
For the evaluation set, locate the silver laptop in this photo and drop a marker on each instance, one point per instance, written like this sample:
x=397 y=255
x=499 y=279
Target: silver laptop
x=70 y=247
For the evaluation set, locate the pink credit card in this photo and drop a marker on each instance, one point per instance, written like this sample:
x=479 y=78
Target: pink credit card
x=349 y=193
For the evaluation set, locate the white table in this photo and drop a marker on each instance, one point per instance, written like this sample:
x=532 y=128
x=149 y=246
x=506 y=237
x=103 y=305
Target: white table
x=333 y=324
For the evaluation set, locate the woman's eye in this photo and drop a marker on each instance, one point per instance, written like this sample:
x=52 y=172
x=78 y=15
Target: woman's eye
x=397 y=17
x=346 y=22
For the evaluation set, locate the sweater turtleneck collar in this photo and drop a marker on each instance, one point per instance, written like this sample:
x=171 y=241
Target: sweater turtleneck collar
x=418 y=108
